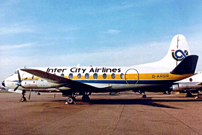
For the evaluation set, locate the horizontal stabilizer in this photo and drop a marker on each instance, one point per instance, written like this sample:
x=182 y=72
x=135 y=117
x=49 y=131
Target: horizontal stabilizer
x=187 y=66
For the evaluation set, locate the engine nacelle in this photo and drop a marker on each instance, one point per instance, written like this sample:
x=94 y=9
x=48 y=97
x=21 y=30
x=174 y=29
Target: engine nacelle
x=29 y=83
x=39 y=84
x=186 y=86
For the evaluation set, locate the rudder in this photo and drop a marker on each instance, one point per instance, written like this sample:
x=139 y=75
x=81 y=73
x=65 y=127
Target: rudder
x=178 y=50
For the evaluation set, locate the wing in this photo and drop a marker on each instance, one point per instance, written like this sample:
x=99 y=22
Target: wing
x=199 y=83
x=77 y=86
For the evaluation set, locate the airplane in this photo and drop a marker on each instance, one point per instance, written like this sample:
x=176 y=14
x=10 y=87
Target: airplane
x=192 y=84
x=2 y=88
x=73 y=81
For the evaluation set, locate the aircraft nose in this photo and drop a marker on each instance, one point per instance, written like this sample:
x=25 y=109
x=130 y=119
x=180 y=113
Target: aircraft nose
x=3 y=83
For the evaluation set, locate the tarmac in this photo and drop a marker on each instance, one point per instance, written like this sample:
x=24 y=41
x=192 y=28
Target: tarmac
x=126 y=113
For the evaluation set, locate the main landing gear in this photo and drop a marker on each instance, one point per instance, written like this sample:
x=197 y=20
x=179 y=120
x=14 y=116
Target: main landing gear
x=72 y=98
x=144 y=94
x=189 y=94
x=23 y=96
x=85 y=98
x=199 y=95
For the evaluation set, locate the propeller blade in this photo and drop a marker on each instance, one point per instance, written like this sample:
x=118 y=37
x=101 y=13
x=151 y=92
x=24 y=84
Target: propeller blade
x=16 y=88
x=19 y=81
x=19 y=78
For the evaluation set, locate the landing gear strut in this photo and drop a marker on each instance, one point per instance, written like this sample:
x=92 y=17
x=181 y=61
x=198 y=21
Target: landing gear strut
x=23 y=96
x=85 y=98
x=72 y=97
x=199 y=95
x=189 y=94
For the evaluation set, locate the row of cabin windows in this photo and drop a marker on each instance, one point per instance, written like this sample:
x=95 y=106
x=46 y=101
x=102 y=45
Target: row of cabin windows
x=95 y=76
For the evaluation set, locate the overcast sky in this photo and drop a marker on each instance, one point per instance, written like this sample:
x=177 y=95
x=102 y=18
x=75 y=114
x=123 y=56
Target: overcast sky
x=94 y=32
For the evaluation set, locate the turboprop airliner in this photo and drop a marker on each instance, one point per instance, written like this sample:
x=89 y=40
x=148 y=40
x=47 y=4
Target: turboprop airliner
x=192 y=84
x=178 y=64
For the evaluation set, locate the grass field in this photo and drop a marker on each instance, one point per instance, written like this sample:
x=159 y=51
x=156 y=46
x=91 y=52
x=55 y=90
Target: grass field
x=4 y=91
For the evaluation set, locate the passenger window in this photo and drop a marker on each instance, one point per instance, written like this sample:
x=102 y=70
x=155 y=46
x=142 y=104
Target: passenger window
x=79 y=76
x=122 y=75
x=87 y=75
x=95 y=75
x=190 y=79
x=104 y=76
x=70 y=76
x=113 y=76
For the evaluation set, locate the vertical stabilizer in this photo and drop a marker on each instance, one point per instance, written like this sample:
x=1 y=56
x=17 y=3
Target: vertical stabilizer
x=177 y=52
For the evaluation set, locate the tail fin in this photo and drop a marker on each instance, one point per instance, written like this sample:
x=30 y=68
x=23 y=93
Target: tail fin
x=177 y=52
x=187 y=66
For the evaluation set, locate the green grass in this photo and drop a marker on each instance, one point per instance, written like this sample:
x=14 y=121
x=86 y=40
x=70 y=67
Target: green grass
x=4 y=91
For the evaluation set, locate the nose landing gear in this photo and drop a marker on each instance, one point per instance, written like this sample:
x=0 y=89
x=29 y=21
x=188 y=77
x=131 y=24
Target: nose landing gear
x=72 y=98
x=23 y=96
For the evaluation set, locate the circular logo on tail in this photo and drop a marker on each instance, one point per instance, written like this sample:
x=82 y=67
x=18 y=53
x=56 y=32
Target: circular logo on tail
x=179 y=54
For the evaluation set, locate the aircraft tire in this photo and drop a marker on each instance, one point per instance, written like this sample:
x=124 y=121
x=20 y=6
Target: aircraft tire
x=71 y=100
x=144 y=96
x=23 y=99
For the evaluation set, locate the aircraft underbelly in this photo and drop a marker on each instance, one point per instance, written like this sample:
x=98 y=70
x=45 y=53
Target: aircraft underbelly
x=135 y=87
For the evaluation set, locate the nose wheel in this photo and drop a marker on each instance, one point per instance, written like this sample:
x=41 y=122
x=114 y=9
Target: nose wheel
x=23 y=99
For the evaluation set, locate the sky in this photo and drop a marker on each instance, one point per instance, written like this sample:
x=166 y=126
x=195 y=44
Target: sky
x=44 y=33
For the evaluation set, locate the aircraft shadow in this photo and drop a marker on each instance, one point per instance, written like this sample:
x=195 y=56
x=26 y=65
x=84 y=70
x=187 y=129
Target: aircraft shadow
x=147 y=102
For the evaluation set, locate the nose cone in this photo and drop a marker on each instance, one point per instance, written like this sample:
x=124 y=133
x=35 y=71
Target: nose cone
x=3 y=83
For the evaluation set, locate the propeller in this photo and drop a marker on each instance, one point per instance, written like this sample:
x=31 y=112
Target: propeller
x=19 y=81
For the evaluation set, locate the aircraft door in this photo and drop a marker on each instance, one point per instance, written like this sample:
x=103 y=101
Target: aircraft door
x=132 y=76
